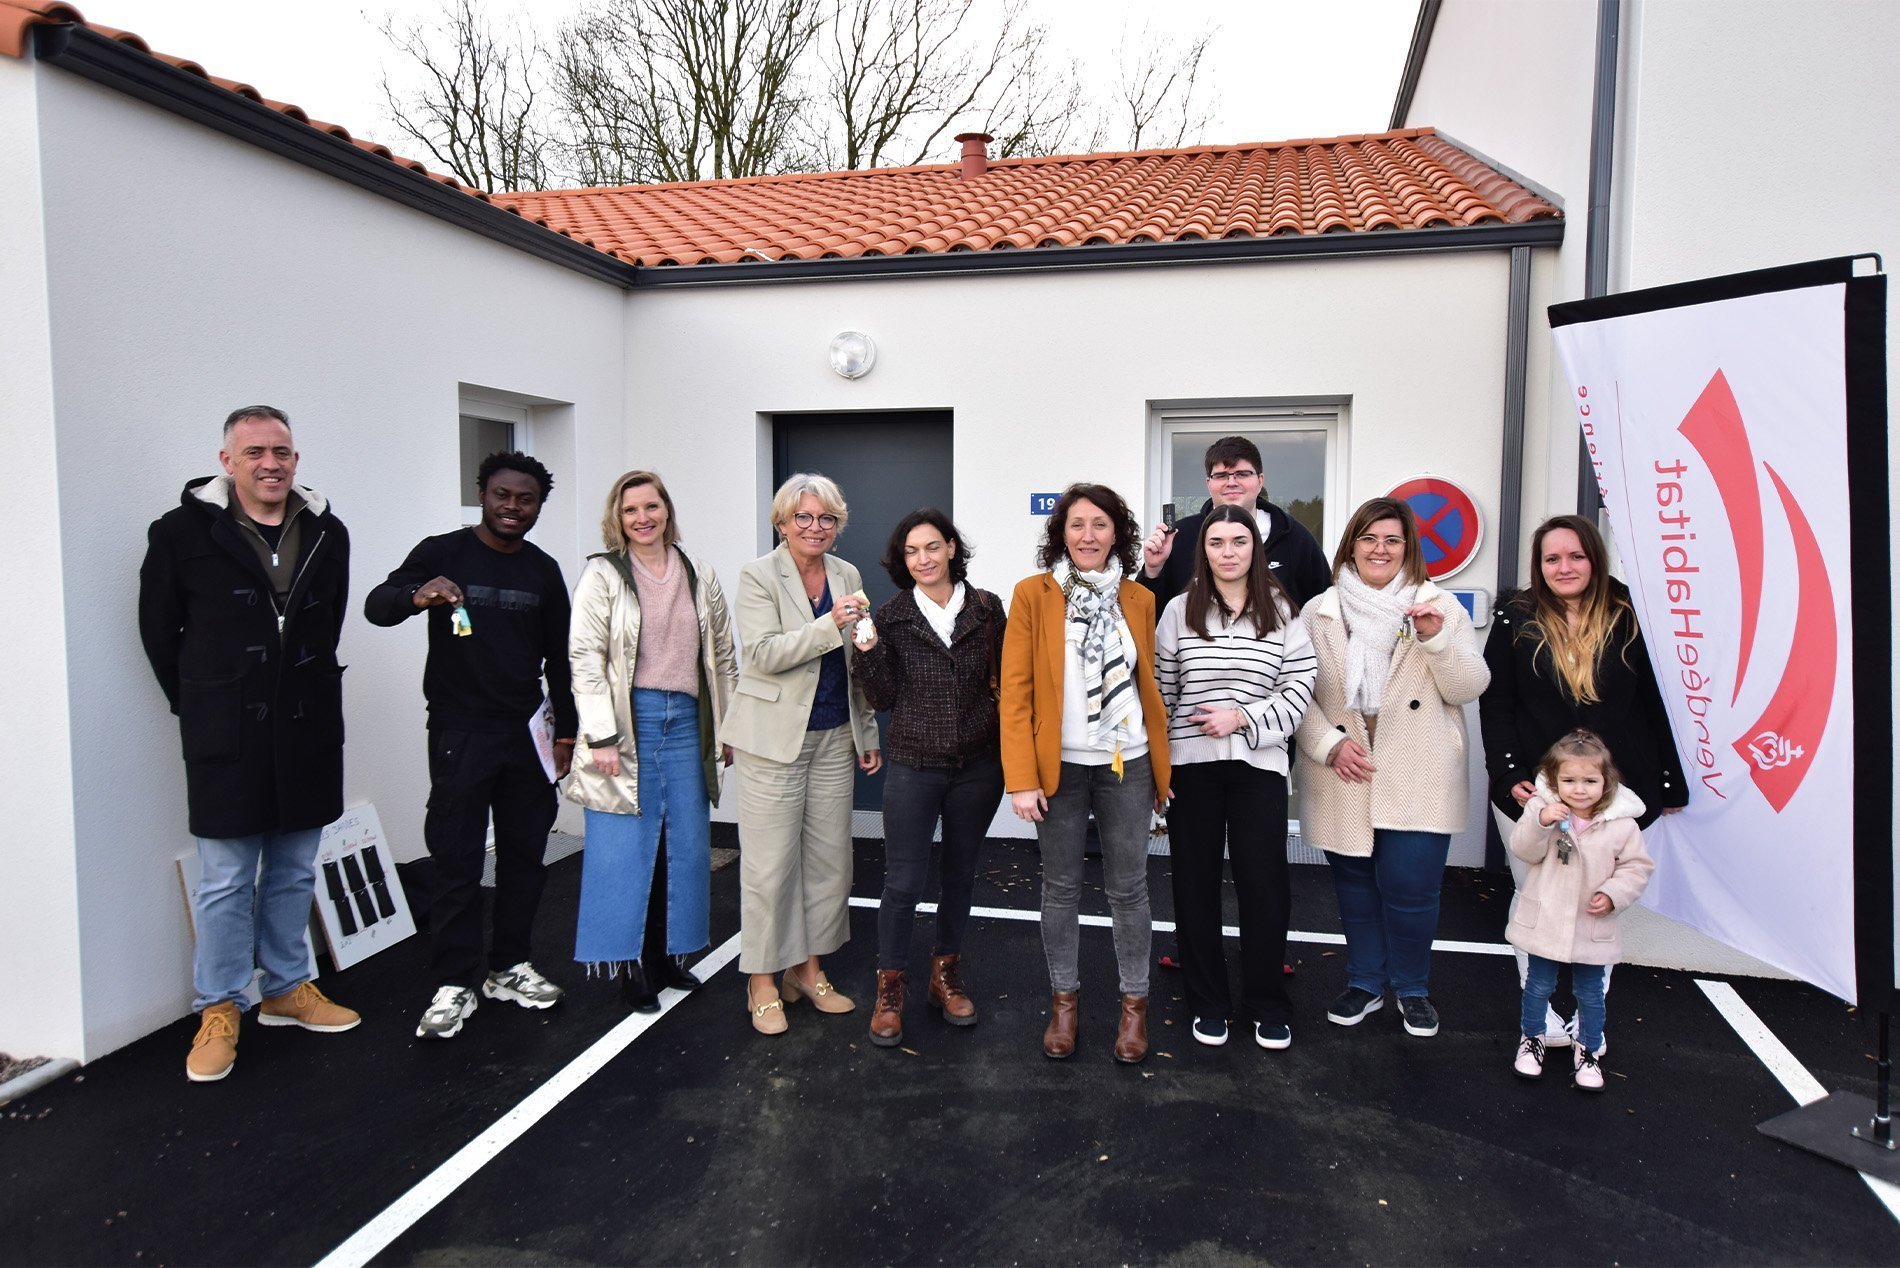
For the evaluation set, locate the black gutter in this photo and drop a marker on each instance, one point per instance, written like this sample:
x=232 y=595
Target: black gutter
x=1596 y=246
x=1414 y=61
x=120 y=66
x=1517 y=342
x=1545 y=232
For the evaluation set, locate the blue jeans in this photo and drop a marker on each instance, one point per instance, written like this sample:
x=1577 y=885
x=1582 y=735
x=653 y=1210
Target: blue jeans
x=617 y=867
x=1587 y=980
x=1388 y=906
x=249 y=919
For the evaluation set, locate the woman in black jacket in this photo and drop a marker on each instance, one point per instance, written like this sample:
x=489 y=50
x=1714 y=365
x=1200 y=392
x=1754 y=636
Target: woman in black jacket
x=1567 y=653
x=933 y=664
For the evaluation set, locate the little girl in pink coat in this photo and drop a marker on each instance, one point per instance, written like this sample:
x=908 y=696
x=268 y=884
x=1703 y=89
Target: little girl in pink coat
x=1588 y=863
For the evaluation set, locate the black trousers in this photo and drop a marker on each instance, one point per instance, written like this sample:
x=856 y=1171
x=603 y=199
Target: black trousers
x=472 y=773
x=1244 y=808
x=914 y=798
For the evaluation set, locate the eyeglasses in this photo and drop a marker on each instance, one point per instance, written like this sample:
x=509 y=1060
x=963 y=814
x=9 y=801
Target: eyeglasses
x=805 y=519
x=1230 y=477
x=1369 y=541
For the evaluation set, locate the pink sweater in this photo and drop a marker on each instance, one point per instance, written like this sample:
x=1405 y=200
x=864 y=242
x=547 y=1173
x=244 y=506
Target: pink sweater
x=668 y=655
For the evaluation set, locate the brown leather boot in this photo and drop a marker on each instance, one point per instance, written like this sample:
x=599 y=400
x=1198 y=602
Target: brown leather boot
x=1131 y=1033
x=946 y=990
x=1058 y=1041
x=887 y=1018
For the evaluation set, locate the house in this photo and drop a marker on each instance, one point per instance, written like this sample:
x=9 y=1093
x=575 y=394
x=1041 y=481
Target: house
x=1370 y=306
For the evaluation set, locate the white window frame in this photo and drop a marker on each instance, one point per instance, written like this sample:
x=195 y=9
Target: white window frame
x=1227 y=418
x=520 y=421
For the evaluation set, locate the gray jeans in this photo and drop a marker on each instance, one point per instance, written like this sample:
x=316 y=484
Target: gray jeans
x=1122 y=809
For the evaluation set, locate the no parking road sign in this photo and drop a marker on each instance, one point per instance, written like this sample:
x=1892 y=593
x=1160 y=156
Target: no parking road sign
x=1449 y=527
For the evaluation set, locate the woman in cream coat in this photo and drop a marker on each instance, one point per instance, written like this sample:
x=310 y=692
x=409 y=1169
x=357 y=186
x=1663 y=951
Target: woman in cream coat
x=1383 y=755
x=797 y=716
x=650 y=645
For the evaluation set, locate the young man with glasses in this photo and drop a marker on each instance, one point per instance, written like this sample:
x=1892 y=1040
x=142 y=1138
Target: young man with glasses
x=1234 y=479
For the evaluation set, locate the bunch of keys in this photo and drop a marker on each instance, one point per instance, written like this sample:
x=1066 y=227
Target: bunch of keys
x=1566 y=844
x=865 y=628
x=459 y=622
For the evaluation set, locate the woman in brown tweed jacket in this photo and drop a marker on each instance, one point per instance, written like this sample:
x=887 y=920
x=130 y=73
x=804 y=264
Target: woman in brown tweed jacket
x=933 y=664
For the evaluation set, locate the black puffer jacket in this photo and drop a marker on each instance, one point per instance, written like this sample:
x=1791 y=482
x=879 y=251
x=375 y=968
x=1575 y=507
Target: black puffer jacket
x=1525 y=710
x=260 y=712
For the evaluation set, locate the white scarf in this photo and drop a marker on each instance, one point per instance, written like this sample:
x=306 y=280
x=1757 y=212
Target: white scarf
x=1105 y=646
x=1375 y=621
x=943 y=619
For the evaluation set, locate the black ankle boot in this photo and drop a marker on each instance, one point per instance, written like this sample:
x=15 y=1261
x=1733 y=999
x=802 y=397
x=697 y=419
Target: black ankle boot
x=637 y=991
x=667 y=971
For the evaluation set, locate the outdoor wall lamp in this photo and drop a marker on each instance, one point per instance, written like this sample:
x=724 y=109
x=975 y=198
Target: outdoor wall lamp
x=852 y=354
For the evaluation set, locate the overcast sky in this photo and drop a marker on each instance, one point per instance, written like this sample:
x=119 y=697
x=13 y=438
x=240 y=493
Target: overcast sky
x=1278 y=69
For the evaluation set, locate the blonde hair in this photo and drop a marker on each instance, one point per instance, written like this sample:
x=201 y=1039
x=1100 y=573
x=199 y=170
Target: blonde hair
x=1583 y=746
x=614 y=532
x=824 y=488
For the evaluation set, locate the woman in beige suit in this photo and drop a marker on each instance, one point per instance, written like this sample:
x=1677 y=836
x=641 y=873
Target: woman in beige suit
x=1383 y=755
x=797 y=716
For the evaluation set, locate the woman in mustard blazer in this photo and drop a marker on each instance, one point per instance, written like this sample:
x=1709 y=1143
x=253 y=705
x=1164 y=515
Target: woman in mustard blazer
x=796 y=718
x=1084 y=730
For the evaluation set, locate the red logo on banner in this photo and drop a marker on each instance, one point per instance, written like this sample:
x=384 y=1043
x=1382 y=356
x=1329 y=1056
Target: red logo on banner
x=1448 y=525
x=1780 y=747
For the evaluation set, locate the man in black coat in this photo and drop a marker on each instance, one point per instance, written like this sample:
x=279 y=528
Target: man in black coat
x=498 y=614
x=241 y=597
x=1234 y=478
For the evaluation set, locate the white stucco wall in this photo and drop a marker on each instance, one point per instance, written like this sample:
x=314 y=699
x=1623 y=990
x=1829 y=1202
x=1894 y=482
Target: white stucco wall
x=40 y=1002
x=1051 y=378
x=1749 y=134
x=191 y=273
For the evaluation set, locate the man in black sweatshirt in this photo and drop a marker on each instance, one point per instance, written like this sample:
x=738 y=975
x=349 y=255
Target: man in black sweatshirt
x=1234 y=478
x=498 y=613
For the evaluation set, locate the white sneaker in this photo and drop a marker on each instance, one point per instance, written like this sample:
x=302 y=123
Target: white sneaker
x=524 y=985
x=1557 y=1032
x=1530 y=1057
x=443 y=1018
x=1570 y=1035
x=1211 y=1031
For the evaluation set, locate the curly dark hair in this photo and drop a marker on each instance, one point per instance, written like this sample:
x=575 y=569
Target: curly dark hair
x=893 y=561
x=1127 y=532
x=514 y=460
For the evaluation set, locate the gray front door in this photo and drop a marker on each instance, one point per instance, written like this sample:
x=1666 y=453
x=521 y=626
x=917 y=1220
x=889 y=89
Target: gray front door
x=888 y=464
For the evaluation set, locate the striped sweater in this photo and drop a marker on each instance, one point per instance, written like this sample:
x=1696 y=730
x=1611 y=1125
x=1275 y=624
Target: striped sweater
x=1269 y=678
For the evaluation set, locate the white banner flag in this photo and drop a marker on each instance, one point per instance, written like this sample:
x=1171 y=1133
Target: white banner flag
x=1718 y=432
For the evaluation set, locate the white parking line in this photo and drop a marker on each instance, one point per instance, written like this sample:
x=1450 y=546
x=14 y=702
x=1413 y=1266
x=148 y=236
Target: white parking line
x=1167 y=926
x=1788 y=1071
x=397 y=1218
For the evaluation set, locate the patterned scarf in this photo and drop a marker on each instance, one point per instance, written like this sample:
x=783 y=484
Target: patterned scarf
x=1375 y=621
x=1093 y=621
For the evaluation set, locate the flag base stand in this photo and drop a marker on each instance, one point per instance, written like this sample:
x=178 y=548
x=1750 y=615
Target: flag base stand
x=1851 y=1130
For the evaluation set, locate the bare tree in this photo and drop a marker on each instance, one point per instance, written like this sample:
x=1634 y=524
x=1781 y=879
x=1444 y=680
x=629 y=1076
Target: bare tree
x=474 y=110
x=1154 y=94
x=639 y=91
x=899 y=75
x=681 y=90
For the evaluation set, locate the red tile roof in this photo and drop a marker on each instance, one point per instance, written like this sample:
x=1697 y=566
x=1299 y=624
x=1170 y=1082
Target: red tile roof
x=1405 y=179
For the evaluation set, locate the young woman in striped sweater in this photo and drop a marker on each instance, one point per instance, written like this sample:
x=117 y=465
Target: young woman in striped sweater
x=1236 y=673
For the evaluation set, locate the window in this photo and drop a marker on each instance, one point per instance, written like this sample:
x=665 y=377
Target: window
x=487 y=427
x=1300 y=455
